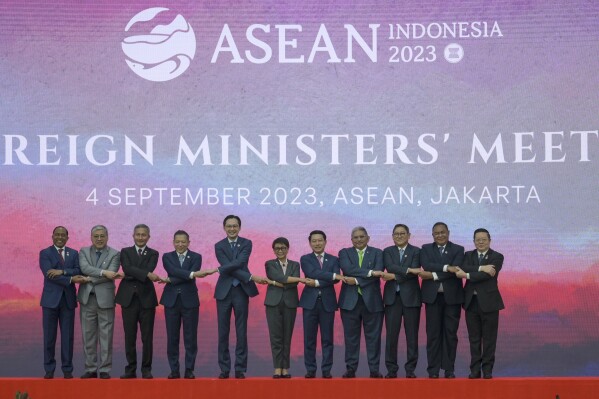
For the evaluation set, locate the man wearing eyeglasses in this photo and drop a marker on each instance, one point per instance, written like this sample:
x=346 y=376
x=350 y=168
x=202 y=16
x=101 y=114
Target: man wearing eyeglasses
x=483 y=303
x=234 y=287
x=402 y=299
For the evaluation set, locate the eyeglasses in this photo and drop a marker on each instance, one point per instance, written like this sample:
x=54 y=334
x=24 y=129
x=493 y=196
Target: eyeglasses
x=402 y=234
x=280 y=249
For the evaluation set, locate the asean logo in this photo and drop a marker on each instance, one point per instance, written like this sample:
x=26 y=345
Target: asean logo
x=163 y=54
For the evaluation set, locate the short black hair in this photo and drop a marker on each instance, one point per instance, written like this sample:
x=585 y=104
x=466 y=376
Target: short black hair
x=231 y=217
x=402 y=225
x=280 y=240
x=314 y=232
x=481 y=230
x=60 y=227
x=440 y=224
x=181 y=233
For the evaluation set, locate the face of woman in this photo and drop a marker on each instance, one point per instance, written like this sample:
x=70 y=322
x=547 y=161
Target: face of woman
x=280 y=251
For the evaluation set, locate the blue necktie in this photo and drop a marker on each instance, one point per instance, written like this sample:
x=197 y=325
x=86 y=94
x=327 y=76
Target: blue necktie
x=480 y=259
x=98 y=254
x=181 y=259
x=401 y=252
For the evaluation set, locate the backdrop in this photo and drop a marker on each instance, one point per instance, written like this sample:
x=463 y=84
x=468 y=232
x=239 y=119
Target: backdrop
x=301 y=115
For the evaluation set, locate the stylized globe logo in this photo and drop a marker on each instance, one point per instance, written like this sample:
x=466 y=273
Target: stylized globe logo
x=163 y=54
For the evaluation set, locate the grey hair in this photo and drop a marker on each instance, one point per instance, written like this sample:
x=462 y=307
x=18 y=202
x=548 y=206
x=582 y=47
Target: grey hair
x=99 y=227
x=141 y=226
x=358 y=228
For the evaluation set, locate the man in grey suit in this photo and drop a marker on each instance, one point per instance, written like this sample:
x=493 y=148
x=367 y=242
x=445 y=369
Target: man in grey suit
x=101 y=264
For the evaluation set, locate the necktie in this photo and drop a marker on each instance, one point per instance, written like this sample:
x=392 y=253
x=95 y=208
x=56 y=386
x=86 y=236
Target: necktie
x=319 y=257
x=181 y=259
x=233 y=247
x=61 y=258
x=480 y=259
x=360 y=259
x=139 y=252
x=98 y=254
x=401 y=252
x=441 y=249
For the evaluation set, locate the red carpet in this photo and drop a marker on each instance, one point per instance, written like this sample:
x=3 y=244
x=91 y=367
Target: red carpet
x=300 y=388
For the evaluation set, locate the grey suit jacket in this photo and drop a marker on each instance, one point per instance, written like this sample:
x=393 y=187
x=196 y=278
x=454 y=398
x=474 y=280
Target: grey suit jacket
x=103 y=287
x=288 y=294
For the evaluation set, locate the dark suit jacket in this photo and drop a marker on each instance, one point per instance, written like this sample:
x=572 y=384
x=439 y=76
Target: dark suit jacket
x=54 y=288
x=288 y=293
x=489 y=298
x=136 y=269
x=408 y=283
x=432 y=261
x=233 y=267
x=180 y=283
x=370 y=286
x=324 y=275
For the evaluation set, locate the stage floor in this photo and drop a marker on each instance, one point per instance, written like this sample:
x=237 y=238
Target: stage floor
x=300 y=388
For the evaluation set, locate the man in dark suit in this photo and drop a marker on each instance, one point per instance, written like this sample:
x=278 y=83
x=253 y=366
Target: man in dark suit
x=101 y=264
x=361 y=302
x=319 y=303
x=60 y=266
x=234 y=287
x=182 y=303
x=443 y=294
x=137 y=297
x=402 y=299
x=483 y=302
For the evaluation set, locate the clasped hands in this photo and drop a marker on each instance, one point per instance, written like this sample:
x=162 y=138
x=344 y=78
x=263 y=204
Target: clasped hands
x=489 y=269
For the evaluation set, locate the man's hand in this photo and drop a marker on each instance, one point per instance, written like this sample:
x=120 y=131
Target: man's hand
x=489 y=269
x=166 y=280
x=461 y=274
x=349 y=280
x=119 y=275
x=154 y=277
x=259 y=279
x=388 y=276
x=453 y=269
x=204 y=273
x=425 y=275
x=110 y=274
x=53 y=273
x=309 y=282
x=377 y=273
x=414 y=271
x=80 y=279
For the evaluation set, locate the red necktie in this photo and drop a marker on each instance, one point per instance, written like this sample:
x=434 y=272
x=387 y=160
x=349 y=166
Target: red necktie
x=60 y=256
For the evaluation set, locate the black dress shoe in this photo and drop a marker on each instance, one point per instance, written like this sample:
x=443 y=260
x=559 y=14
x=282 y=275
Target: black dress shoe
x=326 y=375
x=174 y=376
x=310 y=374
x=433 y=376
x=286 y=376
x=376 y=374
x=449 y=374
x=189 y=374
x=391 y=375
x=488 y=376
x=67 y=375
x=349 y=374
x=89 y=374
x=473 y=376
x=49 y=375
x=240 y=375
x=410 y=374
x=128 y=376
x=104 y=375
x=147 y=375
x=223 y=376
x=276 y=376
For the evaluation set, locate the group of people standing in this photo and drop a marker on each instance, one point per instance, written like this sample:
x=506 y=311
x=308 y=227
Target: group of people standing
x=433 y=274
